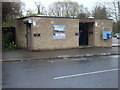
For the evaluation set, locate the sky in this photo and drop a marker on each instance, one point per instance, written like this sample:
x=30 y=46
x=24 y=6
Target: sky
x=90 y=4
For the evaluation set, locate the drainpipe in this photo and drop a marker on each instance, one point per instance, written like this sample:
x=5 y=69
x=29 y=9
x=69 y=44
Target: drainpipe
x=27 y=36
x=29 y=22
x=30 y=37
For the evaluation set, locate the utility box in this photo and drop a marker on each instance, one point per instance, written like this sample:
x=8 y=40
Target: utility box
x=107 y=35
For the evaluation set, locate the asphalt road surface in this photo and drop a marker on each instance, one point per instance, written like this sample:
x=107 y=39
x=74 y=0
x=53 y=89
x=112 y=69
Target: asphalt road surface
x=91 y=72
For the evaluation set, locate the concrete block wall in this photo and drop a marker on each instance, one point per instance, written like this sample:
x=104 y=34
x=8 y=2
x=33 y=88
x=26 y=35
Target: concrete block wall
x=91 y=34
x=20 y=33
x=102 y=25
x=44 y=26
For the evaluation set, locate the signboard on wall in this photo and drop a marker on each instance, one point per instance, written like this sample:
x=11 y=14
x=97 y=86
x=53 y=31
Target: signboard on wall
x=58 y=31
x=107 y=35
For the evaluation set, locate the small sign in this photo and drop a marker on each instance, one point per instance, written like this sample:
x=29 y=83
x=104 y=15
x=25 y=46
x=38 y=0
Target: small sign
x=52 y=22
x=95 y=23
x=58 y=31
x=34 y=23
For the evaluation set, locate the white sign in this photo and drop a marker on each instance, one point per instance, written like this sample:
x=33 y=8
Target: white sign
x=58 y=31
x=34 y=23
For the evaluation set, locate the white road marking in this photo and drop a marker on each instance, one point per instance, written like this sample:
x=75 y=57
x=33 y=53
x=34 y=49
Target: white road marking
x=83 y=59
x=115 y=56
x=82 y=74
x=75 y=59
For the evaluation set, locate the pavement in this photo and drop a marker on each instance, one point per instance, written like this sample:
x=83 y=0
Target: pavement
x=24 y=55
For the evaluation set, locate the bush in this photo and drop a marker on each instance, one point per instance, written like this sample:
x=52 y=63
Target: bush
x=9 y=46
x=8 y=38
x=8 y=24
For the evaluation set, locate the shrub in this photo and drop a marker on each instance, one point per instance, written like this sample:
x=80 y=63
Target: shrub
x=9 y=46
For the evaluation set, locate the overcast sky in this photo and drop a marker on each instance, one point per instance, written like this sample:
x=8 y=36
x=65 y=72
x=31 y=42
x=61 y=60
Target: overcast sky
x=29 y=4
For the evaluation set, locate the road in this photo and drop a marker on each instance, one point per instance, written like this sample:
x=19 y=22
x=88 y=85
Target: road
x=91 y=72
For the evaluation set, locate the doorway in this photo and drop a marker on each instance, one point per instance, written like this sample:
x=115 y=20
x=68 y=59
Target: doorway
x=86 y=34
x=83 y=33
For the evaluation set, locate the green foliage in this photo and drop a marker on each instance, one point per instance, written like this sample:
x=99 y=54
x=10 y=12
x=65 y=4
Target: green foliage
x=101 y=12
x=9 y=46
x=34 y=14
x=82 y=15
x=8 y=24
x=7 y=43
x=10 y=10
x=7 y=37
x=116 y=27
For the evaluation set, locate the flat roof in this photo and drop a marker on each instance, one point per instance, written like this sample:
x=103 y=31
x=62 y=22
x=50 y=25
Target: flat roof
x=61 y=17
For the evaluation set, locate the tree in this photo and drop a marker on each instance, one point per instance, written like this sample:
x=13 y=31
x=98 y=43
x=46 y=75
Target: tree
x=11 y=10
x=119 y=10
x=83 y=13
x=116 y=11
x=30 y=13
x=101 y=12
x=68 y=8
x=114 y=8
x=64 y=9
x=56 y=9
x=116 y=26
x=40 y=8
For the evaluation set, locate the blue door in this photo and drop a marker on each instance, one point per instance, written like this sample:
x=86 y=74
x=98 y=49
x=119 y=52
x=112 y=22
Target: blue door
x=81 y=37
x=83 y=34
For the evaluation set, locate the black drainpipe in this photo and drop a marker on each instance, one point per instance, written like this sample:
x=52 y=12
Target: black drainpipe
x=30 y=37
x=27 y=36
x=28 y=27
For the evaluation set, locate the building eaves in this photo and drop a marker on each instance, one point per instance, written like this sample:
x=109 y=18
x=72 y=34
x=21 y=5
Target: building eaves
x=60 y=17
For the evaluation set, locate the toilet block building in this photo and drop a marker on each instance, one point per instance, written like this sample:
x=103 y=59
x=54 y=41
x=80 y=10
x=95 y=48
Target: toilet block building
x=46 y=33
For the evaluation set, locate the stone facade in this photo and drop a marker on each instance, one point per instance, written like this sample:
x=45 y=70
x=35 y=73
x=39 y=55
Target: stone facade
x=40 y=36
